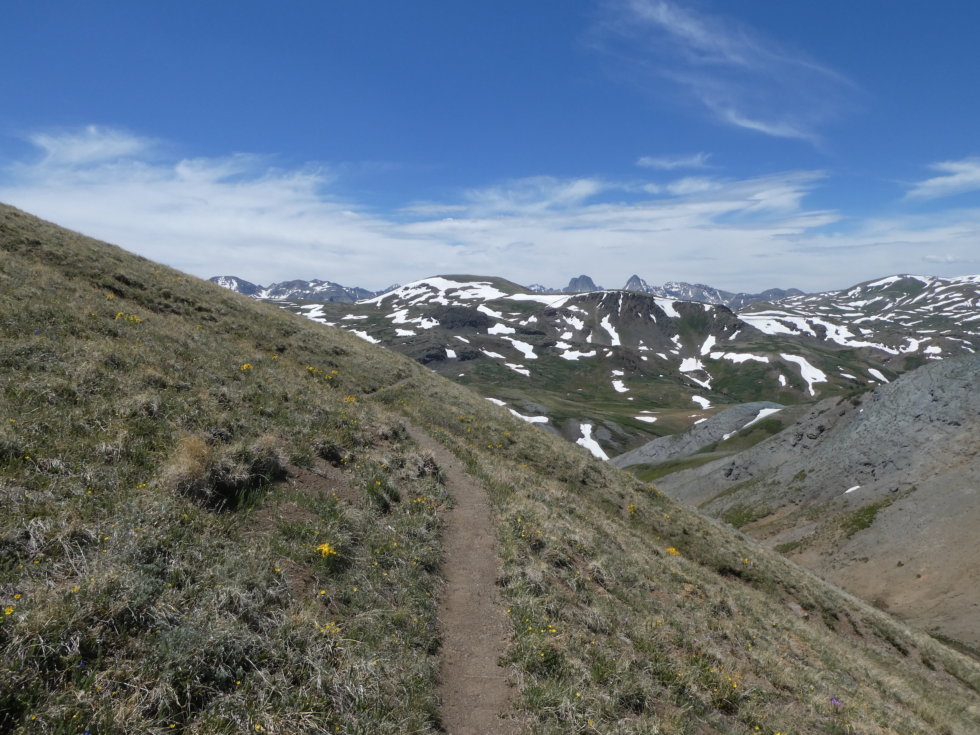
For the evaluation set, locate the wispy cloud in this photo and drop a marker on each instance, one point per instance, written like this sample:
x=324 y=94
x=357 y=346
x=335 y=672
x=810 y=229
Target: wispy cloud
x=956 y=177
x=741 y=77
x=89 y=145
x=669 y=163
x=241 y=215
x=692 y=185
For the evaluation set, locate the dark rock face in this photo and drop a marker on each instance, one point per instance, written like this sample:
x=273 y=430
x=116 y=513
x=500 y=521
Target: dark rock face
x=461 y=317
x=581 y=284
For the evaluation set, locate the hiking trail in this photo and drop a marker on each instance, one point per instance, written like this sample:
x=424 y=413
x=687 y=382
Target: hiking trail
x=473 y=688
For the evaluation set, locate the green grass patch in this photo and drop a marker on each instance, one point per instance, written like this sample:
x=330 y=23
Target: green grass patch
x=651 y=472
x=862 y=518
x=742 y=515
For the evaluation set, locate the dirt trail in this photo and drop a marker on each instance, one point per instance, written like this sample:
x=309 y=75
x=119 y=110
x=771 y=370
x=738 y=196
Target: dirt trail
x=473 y=688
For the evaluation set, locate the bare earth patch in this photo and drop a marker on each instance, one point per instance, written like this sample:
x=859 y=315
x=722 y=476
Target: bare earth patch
x=473 y=687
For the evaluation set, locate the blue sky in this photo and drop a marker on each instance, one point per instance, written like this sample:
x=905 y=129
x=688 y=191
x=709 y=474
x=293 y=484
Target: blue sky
x=744 y=145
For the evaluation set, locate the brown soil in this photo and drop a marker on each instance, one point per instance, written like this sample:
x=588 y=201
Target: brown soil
x=475 y=696
x=324 y=478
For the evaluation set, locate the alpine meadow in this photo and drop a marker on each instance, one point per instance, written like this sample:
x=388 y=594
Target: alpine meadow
x=222 y=517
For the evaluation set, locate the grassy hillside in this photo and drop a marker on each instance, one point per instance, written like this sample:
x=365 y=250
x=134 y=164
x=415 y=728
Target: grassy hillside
x=215 y=520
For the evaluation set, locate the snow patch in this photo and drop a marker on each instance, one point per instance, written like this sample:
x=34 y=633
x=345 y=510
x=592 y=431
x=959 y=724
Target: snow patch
x=530 y=419
x=689 y=364
x=434 y=290
x=589 y=443
x=575 y=354
x=365 y=336
x=809 y=373
x=703 y=402
x=483 y=308
x=549 y=299
x=708 y=344
x=613 y=335
x=761 y=415
x=500 y=328
x=523 y=347
x=877 y=375
x=737 y=357
x=619 y=386
x=668 y=307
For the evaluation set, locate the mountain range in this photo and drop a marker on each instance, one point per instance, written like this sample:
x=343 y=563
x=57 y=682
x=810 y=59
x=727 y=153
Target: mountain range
x=614 y=369
x=314 y=290
x=222 y=517
x=327 y=291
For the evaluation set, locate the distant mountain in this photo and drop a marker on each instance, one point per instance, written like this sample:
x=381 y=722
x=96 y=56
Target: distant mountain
x=613 y=369
x=298 y=290
x=929 y=314
x=238 y=285
x=706 y=294
x=581 y=284
x=674 y=290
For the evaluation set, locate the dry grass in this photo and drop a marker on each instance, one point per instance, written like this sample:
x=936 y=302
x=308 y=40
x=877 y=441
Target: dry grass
x=632 y=614
x=162 y=576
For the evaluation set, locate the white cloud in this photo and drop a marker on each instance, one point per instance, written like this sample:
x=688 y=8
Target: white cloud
x=237 y=215
x=947 y=259
x=534 y=194
x=692 y=185
x=89 y=145
x=669 y=163
x=741 y=77
x=957 y=177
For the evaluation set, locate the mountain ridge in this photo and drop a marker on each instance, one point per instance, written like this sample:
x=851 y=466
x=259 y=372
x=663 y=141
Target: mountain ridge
x=297 y=289
x=627 y=366
x=856 y=483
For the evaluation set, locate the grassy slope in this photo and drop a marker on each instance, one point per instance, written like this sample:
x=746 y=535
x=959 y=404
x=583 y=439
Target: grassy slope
x=158 y=573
